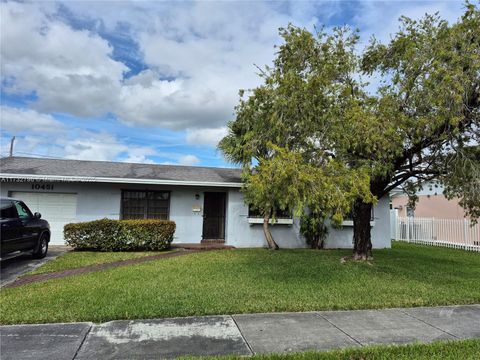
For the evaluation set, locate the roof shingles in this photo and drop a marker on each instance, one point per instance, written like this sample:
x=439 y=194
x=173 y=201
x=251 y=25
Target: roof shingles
x=119 y=170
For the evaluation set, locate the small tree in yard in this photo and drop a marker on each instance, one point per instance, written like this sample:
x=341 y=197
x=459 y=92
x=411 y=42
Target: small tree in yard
x=421 y=124
x=313 y=227
x=285 y=181
x=279 y=135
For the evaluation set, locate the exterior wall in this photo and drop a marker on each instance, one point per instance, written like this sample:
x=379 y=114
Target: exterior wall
x=381 y=231
x=241 y=234
x=343 y=238
x=100 y=200
x=430 y=206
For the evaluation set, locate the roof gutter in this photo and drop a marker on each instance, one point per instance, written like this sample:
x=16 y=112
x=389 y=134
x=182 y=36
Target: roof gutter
x=58 y=178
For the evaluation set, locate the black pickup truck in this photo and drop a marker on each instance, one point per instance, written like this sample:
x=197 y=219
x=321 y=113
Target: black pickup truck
x=22 y=231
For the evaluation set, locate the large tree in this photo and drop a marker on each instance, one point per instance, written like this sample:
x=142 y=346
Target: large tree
x=280 y=132
x=423 y=123
x=420 y=124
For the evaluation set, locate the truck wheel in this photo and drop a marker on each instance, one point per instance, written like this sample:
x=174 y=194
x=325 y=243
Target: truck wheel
x=42 y=247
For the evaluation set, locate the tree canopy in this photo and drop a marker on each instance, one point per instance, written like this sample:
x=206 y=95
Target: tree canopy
x=342 y=145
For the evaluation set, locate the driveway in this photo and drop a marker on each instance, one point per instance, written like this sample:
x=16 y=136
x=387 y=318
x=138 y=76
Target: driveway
x=13 y=268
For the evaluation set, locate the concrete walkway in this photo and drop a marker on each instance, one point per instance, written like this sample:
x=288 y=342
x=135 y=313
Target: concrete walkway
x=13 y=279
x=238 y=334
x=28 y=279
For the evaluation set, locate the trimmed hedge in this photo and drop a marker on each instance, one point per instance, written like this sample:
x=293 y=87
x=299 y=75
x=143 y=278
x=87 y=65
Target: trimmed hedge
x=120 y=235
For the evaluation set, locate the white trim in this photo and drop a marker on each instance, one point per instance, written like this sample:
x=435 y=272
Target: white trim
x=350 y=223
x=26 y=178
x=257 y=220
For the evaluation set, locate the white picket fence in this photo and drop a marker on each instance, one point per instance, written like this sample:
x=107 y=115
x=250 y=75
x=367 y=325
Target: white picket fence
x=454 y=233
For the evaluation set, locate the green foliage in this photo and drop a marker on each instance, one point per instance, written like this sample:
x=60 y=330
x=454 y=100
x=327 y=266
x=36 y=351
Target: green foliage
x=299 y=95
x=120 y=235
x=314 y=102
x=270 y=184
x=463 y=180
x=314 y=229
x=427 y=107
x=286 y=181
x=280 y=134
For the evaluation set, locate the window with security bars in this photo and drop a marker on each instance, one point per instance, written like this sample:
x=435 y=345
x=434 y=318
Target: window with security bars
x=279 y=214
x=349 y=216
x=145 y=204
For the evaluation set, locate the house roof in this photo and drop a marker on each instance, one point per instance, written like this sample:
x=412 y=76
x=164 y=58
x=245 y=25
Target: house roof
x=117 y=172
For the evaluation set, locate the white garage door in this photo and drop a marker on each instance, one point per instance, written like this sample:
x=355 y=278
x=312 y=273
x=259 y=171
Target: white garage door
x=57 y=209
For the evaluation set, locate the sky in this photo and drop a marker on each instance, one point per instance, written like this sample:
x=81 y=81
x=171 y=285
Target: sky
x=152 y=81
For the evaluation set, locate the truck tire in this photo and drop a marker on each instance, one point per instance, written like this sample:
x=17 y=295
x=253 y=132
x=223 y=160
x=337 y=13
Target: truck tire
x=42 y=247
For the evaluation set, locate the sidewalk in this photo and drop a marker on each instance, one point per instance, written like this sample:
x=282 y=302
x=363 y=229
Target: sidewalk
x=238 y=334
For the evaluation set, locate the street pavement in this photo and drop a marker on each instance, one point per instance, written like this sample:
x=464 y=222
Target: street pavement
x=244 y=334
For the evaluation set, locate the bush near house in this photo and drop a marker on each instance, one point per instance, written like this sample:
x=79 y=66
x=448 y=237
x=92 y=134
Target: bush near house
x=120 y=235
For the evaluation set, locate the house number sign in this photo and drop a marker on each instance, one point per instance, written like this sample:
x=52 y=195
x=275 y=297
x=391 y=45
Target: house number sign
x=42 y=186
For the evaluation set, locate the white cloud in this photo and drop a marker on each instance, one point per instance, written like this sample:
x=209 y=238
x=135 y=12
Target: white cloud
x=139 y=155
x=70 y=71
x=41 y=134
x=206 y=50
x=93 y=147
x=87 y=145
x=209 y=137
x=381 y=18
x=210 y=51
x=16 y=120
x=189 y=160
x=198 y=56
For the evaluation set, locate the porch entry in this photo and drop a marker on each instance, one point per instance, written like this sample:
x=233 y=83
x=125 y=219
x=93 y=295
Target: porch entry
x=214 y=205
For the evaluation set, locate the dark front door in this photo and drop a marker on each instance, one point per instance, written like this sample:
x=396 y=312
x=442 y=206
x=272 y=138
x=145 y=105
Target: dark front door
x=214 y=216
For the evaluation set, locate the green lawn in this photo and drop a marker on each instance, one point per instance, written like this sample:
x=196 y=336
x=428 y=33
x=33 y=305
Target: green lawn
x=76 y=259
x=451 y=350
x=251 y=280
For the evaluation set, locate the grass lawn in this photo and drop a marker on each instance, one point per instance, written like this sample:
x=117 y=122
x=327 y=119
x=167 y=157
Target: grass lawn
x=251 y=280
x=451 y=350
x=76 y=259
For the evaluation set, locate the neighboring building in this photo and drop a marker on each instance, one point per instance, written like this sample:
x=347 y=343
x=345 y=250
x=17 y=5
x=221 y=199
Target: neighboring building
x=205 y=203
x=431 y=204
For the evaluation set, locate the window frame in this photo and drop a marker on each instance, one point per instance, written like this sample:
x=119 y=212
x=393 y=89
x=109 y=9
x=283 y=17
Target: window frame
x=25 y=207
x=146 y=191
x=253 y=215
x=349 y=216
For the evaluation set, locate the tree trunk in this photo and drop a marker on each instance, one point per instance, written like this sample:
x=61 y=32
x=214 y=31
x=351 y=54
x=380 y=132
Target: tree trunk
x=317 y=243
x=268 y=235
x=362 y=239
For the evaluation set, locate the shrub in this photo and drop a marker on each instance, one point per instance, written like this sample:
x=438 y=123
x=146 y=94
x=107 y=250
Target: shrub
x=313 y=228
x=120 y=235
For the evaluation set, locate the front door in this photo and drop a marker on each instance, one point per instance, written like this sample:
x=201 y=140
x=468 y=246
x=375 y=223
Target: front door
x=214 y=216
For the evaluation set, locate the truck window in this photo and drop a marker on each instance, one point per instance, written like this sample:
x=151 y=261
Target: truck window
x=7 y=210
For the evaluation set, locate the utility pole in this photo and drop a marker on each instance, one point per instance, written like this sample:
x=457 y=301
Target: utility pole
x=11 y=146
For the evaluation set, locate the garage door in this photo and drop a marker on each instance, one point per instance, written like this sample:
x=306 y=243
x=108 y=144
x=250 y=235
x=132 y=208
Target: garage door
x=57 y=209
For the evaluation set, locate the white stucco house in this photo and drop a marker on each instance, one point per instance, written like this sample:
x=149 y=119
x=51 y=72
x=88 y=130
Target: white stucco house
x=205 y=202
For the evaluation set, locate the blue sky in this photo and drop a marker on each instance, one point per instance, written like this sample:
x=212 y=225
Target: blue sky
x=151 y=81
